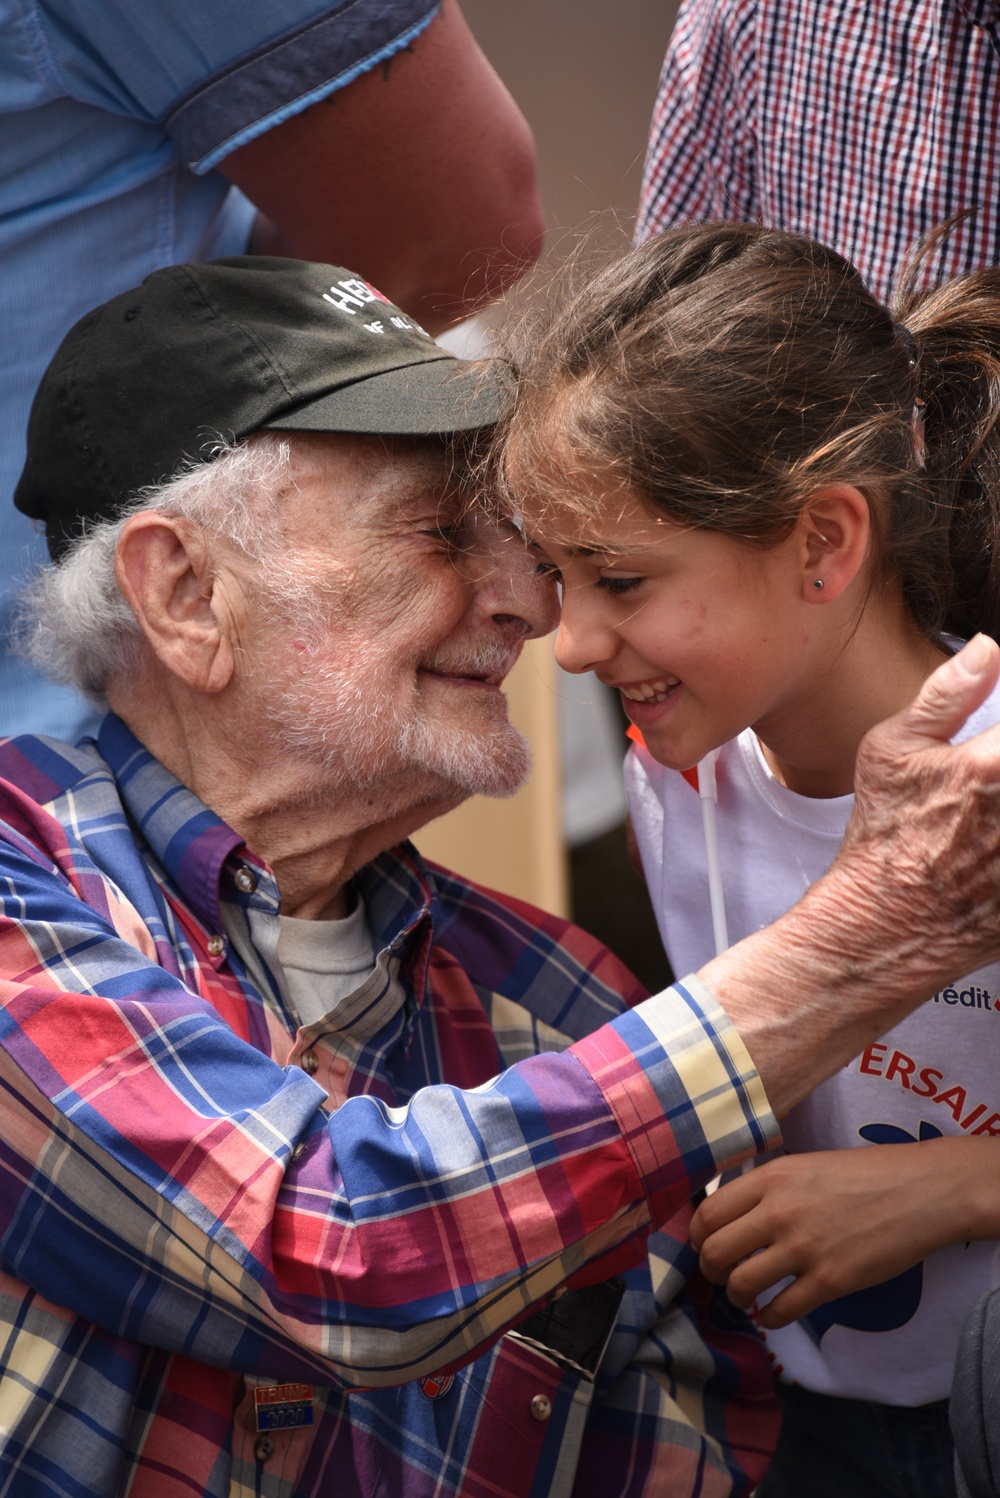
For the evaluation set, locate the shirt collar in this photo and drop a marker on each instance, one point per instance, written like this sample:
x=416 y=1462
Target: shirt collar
x=189 y=841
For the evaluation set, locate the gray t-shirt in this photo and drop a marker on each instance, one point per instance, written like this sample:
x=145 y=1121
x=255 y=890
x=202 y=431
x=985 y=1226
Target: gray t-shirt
x=325 y=961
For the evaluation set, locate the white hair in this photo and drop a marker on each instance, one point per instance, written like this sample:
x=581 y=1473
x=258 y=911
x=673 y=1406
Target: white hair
x=75 y=624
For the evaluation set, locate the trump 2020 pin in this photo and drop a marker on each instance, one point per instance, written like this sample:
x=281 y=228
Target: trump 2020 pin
x=283 y=1406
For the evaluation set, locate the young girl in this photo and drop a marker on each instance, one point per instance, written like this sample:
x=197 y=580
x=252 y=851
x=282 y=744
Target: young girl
x=773 y=509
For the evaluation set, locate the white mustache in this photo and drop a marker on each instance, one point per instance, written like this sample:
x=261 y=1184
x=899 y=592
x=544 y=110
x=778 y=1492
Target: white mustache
x=490 y=659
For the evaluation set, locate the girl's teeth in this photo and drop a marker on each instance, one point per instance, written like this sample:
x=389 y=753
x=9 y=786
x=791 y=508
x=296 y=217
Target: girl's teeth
x=650 y=691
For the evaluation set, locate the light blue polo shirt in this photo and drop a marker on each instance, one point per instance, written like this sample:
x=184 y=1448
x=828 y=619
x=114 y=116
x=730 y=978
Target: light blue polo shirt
x=113 y=116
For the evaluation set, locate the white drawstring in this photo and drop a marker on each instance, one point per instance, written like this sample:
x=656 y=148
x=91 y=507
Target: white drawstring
x=709 y=797
x=708 y=791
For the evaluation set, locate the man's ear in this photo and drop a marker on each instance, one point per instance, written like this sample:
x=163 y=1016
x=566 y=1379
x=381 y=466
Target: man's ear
x=834 y=530
x=163 y=566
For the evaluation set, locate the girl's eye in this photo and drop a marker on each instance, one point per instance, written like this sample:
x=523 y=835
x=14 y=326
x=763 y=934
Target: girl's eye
x=618 y=585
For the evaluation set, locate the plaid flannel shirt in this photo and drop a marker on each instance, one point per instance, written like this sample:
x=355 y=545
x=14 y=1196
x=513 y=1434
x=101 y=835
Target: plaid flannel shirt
x=862 y=125
x=202 y=1201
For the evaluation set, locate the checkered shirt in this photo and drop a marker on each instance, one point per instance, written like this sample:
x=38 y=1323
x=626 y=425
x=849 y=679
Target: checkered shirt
x=861 y=125
x=201 y=1199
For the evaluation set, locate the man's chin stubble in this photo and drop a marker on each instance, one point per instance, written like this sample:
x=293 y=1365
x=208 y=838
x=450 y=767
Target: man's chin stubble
x=422 y=762
x=491 y=763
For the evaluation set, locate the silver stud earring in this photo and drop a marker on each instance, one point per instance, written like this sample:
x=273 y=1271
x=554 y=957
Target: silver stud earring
x=818 y=583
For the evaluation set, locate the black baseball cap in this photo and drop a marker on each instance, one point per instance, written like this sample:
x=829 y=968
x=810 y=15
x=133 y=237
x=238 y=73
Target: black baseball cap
x=156 y=376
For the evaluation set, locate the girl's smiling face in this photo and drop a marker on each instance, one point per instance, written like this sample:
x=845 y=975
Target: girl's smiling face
x=702 y=634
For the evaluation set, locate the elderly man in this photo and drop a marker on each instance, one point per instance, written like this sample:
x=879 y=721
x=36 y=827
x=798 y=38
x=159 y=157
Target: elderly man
x=288 y=1116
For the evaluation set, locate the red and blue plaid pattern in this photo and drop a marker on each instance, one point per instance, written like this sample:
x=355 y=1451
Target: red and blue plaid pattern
x=187 y=1215
x=862 y=125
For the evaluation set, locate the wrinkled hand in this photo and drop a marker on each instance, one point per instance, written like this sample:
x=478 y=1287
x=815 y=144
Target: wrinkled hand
x=923 y=842
x=841 y=1220
x=912 y=899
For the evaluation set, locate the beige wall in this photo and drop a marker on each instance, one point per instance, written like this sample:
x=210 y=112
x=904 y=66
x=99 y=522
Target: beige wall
x=584 y=73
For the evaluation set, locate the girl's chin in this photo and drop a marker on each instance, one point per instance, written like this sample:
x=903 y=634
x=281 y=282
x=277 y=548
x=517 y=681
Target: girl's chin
x=663 y=735
x=670 y=760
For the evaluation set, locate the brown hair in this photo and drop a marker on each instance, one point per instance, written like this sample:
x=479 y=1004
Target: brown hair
x=726 y=372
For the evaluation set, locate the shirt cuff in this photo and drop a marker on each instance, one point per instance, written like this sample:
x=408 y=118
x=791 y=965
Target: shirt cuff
x=683 y=1090
x=288 y=74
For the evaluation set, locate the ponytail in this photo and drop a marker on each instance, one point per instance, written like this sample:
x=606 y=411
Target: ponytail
x=956 y=328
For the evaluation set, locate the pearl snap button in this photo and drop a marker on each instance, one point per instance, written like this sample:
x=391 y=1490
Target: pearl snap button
x=245 y=880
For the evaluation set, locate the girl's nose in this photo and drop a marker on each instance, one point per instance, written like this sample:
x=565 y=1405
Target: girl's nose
x=581 y=644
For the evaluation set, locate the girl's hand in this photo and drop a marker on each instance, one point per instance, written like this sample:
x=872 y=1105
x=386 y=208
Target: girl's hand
x=841 y=1220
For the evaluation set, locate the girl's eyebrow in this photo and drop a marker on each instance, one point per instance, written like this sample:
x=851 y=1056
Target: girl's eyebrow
x=579 y=551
